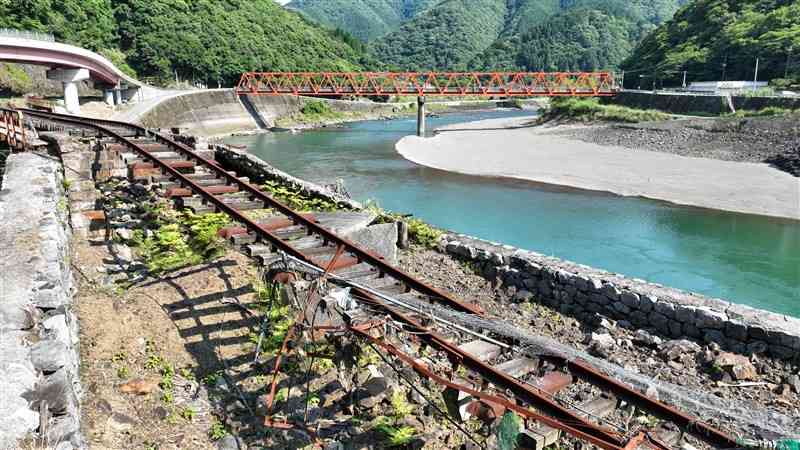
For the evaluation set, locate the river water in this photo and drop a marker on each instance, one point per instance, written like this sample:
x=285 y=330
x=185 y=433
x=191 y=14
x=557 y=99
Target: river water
x=742 y=258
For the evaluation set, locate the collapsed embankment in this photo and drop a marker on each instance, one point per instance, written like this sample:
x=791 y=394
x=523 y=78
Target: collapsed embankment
x=222 y=111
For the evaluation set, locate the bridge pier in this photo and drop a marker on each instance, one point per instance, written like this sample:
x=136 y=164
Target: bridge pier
x=108 y=97
x=70 y=78
x=421 y=116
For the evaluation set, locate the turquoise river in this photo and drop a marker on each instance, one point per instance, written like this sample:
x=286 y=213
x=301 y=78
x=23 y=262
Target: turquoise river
x=741 y=258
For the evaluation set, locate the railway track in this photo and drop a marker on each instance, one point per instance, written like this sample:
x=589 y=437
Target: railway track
x=485 y=374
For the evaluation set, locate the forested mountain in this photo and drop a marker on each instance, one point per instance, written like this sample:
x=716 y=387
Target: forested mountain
x=199 y=39
x=716 y=39
x=444 y=37
x=522 y=34
x=364 y=19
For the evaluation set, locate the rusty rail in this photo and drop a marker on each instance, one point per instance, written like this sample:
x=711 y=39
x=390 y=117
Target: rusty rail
x=256 y=194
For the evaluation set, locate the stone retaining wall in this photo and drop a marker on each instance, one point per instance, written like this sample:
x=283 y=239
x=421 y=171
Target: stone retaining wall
x=584 y=291
x=688 y=104
x=39 y=353
x=260 y=171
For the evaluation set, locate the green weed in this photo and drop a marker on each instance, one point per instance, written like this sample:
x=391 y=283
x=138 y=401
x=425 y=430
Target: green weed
x=188 y=414
x=297 y=199
x=181 y=240
x=217 y=431
x=396 y=436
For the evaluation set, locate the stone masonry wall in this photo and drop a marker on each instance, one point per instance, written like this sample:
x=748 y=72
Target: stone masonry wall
x=39 y=354
x=583 y=291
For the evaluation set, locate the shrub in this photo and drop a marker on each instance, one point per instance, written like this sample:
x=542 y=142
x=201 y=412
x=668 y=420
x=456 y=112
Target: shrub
x=14 y=79
x=590 y=109
x=422 y=233
x=316 y=107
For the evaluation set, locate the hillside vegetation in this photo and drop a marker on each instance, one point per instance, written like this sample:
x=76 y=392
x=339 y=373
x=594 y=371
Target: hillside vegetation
x=495 y=34
x=712 y=39
x=364 y=19
x=444 y=37
x=208 y=41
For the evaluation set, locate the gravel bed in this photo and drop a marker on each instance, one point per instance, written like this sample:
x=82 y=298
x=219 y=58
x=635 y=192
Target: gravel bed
x=771 y=140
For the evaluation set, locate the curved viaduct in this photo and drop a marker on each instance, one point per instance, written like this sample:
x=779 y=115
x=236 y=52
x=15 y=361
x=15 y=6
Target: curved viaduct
x=70 y=64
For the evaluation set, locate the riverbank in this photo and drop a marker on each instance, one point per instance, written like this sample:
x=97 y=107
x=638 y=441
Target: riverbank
x=548 y=154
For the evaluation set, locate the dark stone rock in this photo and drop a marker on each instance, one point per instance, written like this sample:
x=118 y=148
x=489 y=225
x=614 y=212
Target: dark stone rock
x=630 y=299
x=599 y=299
x=659 y=321
x=716 y=336
x=56 y=390
x=781 y=352
x=691 y=331
x=758 y=333
x=736 y=330
x=666 y=309
x=675 y=328
x=684 y=314
x=647 y=303
x=611 y=291
x=638 y=318
x=709 y=319
x=757 y=347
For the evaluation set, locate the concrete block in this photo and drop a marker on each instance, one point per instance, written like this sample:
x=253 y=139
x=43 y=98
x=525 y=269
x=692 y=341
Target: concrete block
x=380 y=239
x=484 y=351
x=518 y=367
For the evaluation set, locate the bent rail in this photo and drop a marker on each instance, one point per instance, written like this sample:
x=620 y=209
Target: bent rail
x=484 y=84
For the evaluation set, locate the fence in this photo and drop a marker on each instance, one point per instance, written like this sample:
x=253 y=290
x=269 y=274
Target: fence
x=23 y=34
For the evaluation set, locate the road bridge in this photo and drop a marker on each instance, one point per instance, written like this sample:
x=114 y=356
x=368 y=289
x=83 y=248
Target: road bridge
x=421 y=84
x=71 y=65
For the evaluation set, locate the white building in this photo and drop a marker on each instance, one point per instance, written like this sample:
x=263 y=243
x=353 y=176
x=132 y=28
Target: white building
x=726 y=87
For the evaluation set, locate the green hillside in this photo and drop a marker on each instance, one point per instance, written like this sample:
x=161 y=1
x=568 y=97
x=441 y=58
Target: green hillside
x=364 y=19
x=522 y=34
x=573 y=34
x=208 y=41
x=712 y=39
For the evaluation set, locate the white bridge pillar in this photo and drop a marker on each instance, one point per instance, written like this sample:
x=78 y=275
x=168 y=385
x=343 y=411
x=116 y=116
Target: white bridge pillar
x=70 y=78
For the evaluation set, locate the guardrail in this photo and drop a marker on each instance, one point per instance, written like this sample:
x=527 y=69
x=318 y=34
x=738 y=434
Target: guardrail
x=24 y=34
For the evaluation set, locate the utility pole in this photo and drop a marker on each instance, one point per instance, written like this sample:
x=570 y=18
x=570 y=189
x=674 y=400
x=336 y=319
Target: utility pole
x=622 y=82
x=788 y=60
x=755 y=78
x=724 y=67
x=684 y=79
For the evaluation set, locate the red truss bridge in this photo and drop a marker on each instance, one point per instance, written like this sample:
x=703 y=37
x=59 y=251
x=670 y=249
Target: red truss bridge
x=485 y=84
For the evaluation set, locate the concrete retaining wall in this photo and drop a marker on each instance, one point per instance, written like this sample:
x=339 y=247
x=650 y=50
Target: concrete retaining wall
x=689 y=104
x=39 y=354
x=583 y=291
x=217 y=112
